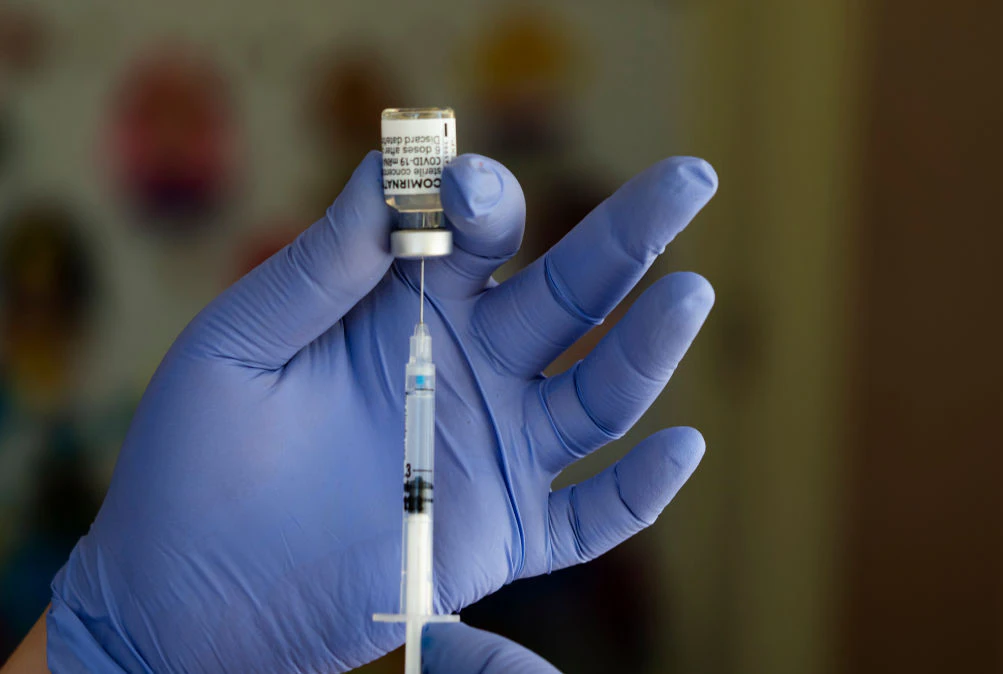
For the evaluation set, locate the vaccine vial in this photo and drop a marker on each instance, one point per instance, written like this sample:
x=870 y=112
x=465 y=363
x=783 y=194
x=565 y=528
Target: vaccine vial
x=417 y=145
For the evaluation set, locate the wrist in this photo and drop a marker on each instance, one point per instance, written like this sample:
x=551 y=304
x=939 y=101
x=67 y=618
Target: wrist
x=29 y=657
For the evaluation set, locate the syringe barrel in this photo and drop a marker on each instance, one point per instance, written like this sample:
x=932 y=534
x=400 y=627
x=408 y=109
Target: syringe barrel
x=419 y=452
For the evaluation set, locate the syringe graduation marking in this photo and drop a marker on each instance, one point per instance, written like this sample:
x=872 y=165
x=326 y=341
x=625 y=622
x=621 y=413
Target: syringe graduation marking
x=417 y=493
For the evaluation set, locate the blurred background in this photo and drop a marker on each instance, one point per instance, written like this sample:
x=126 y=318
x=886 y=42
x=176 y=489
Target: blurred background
x=847 y=516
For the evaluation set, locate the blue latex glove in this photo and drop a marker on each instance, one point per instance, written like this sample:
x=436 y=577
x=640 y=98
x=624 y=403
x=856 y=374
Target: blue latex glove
x=253 y=522
x=460 y=649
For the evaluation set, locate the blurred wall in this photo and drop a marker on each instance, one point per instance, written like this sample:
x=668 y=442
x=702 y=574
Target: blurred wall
x=771 y=100
x=924 y=535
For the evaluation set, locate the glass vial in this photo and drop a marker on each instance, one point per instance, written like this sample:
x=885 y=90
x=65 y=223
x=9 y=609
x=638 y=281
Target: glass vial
x=417 y=145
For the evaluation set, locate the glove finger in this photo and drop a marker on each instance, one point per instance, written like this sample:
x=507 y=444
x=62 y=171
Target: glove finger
x=533 y=317
x=486 y=209
x=293 y=297
x=460 y=649
x=590 y=518
x=601 y=397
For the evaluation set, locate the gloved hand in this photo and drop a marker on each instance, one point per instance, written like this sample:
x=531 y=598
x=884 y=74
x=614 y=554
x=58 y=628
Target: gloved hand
x=253 y=522
x=461 y=649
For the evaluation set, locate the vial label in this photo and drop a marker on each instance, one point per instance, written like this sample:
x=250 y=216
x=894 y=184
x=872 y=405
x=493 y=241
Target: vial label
x=414 y=153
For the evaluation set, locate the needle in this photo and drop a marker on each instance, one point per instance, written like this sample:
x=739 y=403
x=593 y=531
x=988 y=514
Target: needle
x=421 y=309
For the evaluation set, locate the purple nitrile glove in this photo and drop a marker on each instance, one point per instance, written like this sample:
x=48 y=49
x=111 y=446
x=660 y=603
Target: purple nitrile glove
x=460 y=649
x=253 y=523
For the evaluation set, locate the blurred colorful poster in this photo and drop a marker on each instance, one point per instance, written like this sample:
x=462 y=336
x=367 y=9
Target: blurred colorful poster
x=173 y=139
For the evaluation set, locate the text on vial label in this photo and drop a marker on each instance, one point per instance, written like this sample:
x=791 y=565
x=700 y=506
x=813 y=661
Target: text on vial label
x=414 y=154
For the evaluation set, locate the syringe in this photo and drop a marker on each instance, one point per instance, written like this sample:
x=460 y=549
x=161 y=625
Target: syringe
x=416 y=593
